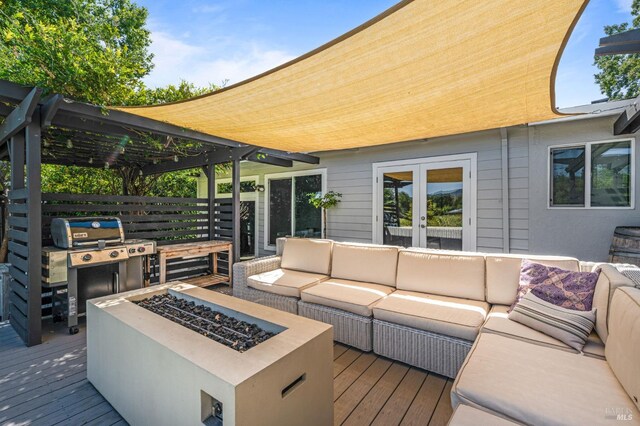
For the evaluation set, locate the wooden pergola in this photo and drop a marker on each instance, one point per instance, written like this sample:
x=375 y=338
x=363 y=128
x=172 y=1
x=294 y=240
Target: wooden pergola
x=56 y=130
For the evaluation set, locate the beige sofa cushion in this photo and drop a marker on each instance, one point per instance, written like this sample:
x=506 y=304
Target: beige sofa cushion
x=608 y=281
x=503 y=273
x=307 y=255
x=623 y=345
x=455 y=317
x=352 y=296
x=445 y=274
x=470 y=416
x=365 y=262
x=284 y=282
x=538 y=385
x=498 y=323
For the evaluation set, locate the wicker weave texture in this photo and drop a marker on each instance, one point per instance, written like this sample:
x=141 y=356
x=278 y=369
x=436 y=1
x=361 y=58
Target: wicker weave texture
x=350 y=329
x=433 y=352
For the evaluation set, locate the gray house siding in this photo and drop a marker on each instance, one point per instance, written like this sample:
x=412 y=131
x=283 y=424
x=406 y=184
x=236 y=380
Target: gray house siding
x=350 y=172
x=583 y=233
x=532 y=226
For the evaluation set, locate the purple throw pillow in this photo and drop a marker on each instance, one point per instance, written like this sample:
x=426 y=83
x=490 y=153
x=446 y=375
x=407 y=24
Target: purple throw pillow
x=568 y=289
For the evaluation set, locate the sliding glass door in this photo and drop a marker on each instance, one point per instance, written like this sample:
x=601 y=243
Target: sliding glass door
x=426 y=203
x=289 y=212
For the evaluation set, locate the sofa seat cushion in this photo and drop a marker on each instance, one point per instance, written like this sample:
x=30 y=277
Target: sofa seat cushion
x=534 y=384
x=451 y=316
x=352 y=296
x=470 y=416
x=284 y=282
x=498 y=323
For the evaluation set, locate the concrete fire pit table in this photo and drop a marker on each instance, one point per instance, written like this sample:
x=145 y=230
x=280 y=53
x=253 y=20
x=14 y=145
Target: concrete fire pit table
x=156 y=371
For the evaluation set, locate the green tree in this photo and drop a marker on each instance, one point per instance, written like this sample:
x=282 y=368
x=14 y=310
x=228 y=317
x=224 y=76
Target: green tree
x=90 y=50
x=619 y=76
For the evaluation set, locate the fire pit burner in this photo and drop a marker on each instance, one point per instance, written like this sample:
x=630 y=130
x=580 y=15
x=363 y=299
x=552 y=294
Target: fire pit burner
x=236 y=334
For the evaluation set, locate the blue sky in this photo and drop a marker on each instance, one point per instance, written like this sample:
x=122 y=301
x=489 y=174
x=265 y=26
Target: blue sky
x=213 y=41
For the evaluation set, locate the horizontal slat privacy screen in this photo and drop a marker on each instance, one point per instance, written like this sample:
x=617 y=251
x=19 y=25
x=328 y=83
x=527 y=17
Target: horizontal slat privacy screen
x=422 y=69
x=166 y=220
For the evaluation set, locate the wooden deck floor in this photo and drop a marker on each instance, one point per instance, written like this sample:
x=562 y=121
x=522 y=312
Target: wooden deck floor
x=47 y=385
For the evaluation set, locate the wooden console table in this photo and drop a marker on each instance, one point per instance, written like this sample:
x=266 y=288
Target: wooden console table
x=203 y=248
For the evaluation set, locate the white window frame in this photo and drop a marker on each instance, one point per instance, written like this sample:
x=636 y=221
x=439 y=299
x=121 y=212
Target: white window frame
x=587 y=175
x=267 y=195
x=470 y=237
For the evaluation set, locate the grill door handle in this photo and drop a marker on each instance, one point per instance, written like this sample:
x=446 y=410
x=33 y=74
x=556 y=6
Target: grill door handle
x=115 y=283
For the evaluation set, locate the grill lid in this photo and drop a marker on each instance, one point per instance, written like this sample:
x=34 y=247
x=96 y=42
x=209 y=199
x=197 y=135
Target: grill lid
x=86 y=231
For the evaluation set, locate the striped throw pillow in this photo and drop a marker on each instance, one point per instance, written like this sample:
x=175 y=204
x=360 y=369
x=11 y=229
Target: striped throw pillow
x=570 y=326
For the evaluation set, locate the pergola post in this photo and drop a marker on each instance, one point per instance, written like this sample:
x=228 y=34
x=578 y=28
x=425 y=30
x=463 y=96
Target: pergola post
x=25 y=232
x=235 y=209
x=210 y=171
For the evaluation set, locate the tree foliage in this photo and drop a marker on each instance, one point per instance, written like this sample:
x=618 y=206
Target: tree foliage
x=90 y=50
x=93 y=51
x=619 y=76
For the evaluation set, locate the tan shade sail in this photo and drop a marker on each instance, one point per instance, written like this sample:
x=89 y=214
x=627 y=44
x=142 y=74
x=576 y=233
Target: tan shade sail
x=424 y=68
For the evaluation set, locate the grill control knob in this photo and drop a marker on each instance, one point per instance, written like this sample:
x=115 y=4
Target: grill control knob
x=132 y=250
x=114 y=253
x=87 y=257
x=141 y=249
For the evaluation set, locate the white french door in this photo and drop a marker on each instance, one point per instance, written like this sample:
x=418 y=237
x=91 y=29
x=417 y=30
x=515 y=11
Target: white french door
x=429 y=202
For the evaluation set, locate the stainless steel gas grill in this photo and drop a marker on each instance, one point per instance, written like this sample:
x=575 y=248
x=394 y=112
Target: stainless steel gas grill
x=91 y=258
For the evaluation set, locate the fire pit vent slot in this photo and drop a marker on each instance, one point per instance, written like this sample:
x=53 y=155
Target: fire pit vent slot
x=211 y=410
x=294 y=385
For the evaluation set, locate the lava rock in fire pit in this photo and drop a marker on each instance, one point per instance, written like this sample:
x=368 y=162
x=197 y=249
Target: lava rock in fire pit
x=234 y=333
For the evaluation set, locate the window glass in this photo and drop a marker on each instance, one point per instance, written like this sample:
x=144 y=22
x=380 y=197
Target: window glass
x=611 y=174
x=567 y=169
x=279 y=209
x=308 y=219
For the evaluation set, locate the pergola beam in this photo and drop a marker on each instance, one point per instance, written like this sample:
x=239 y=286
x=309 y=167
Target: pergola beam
x=268 y=159
x=21 y=115
x=627 y=42
x=294 y=156
x=49 y=109
x=96 y=113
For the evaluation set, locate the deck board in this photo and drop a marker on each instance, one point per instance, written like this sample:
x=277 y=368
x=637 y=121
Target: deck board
x=47 y=385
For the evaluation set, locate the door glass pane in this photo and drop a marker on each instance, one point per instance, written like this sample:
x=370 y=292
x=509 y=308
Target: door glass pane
x=247 y=229
x=611 y=174
x=279 y=209
x=567 y=180
x=397 y=219
x=444 y=208
x=308 y=219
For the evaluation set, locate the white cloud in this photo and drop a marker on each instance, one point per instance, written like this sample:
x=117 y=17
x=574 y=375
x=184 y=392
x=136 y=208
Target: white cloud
x=624 y=5
x=231 y=60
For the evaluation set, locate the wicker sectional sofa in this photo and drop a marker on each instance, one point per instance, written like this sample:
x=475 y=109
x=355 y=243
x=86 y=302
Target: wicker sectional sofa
x=446 y=312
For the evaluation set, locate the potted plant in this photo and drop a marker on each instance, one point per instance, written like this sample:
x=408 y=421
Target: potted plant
x=328 y=200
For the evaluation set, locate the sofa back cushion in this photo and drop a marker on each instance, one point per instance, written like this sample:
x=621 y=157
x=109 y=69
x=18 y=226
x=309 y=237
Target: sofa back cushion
x=608 y=281
x=307 y=255
x=365 y=262
x=445 y=274
x=623 y=345
x=503 y=274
